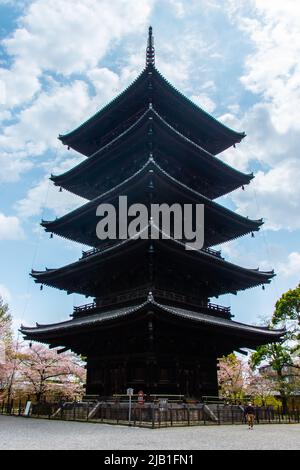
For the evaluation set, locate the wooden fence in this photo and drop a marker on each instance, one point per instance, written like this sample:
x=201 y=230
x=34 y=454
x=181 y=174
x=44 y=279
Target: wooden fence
x=150 y=414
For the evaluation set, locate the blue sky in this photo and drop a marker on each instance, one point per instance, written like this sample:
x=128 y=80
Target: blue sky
x=61 y=61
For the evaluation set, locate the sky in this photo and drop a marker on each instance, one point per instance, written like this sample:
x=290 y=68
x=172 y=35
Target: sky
x=63 y=60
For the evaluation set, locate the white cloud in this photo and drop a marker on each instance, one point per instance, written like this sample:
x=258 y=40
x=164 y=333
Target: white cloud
x=263 y=143
x=10 y=228
x=180 y=60
x=38 y=104
x=2 y=92
x=47 y=196
x=273 y=69
x=12 y=165
x=53 y=111
x=275 y=194
x=208 y=85
x=106 y=83
x=18 y=84
x=230 y=250
x=65 y=161
x=77 y=33
x=292 y=266
x=205 y=102
x=36 y=60
x=44 y=195
x=178 y=8
x=271 y=72
x=5 y=115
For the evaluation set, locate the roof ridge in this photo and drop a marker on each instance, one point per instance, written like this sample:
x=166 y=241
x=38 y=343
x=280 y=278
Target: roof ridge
x=201 y=252
x=225 y=321
x=106 y=106
x=93 y=158
x=127 y=310
x=101 y=196
x=195 y=144
x=151 y=160
x=198 y=108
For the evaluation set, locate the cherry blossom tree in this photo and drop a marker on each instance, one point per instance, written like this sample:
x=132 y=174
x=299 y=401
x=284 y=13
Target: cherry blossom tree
x=5 y=326
x=43 y=373
x=6 y=373
x=259 y=386
x=6 y=346
x=232 y=377
x=36 y=371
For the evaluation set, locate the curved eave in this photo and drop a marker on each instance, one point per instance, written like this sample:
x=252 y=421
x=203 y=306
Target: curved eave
x=50 y=276
x=199 y=115
x=96 y=156
x=202 y=151
x=227 y=326
x=236 y=136
x=54 y=226
x=244 y=178
x=66 y=138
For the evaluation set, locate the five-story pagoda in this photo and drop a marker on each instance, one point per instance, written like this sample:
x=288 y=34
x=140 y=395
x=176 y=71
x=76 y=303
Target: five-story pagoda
x=151 y=325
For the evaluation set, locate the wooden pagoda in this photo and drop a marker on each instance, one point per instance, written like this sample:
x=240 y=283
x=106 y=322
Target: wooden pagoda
x=152 y=326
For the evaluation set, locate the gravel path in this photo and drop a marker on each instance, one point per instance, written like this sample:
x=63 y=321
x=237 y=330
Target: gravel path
x=22 y=433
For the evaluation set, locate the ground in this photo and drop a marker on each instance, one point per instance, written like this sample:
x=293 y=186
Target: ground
x=23 y=433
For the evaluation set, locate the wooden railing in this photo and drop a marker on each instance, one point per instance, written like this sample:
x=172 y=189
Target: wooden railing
x=158 y=294
x=105 y=245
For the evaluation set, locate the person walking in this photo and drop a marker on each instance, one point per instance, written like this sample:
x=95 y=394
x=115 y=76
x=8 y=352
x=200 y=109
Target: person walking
x=250 y=415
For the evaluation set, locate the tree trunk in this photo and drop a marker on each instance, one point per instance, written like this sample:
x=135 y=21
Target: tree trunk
x=282 y=392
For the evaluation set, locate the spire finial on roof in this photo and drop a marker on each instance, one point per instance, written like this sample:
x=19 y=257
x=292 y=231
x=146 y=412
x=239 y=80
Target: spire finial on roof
x=150 y=53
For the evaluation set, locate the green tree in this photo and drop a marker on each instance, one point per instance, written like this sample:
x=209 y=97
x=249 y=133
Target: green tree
x=287 y=312
x=282 y=357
